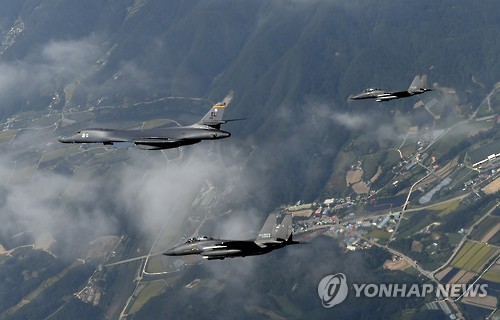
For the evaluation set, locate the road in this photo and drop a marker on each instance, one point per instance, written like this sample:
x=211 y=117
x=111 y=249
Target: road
x=172 y=218
x=478 y=278
x=407 y=259
x=413 y=263
x=407 y=201
x=459 y=246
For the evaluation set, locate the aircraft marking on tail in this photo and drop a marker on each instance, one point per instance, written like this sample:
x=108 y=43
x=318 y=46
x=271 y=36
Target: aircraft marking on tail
x=267 y=230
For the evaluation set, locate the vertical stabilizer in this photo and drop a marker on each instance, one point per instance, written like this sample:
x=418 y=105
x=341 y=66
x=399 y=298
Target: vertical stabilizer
x=419 y=85
x=267 y=231
x=415 y=84
x=423 y=82
x=284 y=230
x=214 y=117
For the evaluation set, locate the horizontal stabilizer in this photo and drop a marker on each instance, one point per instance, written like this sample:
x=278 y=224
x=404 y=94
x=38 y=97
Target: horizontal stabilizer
x=230 y=120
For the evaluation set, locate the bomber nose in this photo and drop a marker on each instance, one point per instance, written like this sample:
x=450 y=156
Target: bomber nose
x=63 y=139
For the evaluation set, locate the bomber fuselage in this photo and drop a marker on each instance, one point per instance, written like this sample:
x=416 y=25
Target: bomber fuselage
x=181 y=135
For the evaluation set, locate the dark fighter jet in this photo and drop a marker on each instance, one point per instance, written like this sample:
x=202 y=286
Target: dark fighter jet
x=418 y=86
x=208 y=128
x=271 y=237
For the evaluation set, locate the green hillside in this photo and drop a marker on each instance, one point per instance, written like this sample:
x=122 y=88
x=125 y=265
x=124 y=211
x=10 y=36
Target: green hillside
x=282 y=59
x=292 y=64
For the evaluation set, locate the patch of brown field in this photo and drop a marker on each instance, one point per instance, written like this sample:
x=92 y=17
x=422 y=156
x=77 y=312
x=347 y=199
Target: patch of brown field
x=441 y=274
x=396 y=265
x=44 y=241
x=466 y=278
x=353 y=176
x=458 y=276
x=488 y=302
x=452 y=164
x=377 y=174
x=491 y=233
x=473 y=133
x=303 y=213
x=496 y=267
x=101 y=246
x=492 y=187
x=361 y=188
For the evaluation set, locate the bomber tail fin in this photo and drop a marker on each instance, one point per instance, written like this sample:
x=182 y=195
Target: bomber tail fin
x=214 y=117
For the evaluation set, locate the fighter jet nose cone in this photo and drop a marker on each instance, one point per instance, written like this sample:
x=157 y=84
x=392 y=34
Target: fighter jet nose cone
x=170 y=252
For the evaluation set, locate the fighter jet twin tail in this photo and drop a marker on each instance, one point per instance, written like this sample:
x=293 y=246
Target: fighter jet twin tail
x=272 y=236
x=418 y=86
x=208 y=128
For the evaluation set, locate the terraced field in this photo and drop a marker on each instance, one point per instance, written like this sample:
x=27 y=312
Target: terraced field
x=484 y=227
x=473 y=255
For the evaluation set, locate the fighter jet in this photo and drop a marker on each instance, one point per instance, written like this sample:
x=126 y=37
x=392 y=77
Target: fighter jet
x=208 y=128
x=418 y=86
x=271 y=237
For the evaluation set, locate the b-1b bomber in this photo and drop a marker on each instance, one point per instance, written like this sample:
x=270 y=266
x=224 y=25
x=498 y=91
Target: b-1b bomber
x=208 y=128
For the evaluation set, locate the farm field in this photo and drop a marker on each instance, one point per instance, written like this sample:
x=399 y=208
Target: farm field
x=473 y=255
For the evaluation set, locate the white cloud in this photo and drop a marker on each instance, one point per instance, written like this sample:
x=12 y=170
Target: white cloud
x=56 y=63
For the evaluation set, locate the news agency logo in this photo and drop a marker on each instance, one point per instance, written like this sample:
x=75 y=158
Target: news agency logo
x=333 y=290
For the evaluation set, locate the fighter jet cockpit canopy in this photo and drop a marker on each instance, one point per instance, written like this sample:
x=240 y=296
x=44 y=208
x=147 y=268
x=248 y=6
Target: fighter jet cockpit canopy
x=371 y=90
x=198 y=239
